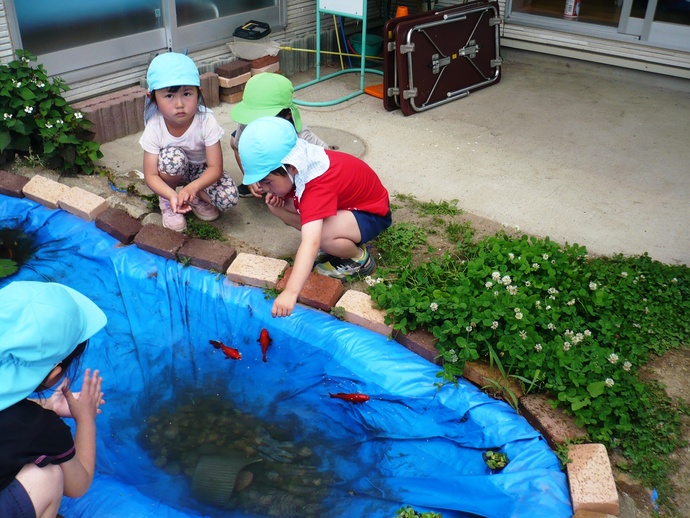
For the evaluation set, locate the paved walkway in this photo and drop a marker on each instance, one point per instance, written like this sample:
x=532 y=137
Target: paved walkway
x=579 y=152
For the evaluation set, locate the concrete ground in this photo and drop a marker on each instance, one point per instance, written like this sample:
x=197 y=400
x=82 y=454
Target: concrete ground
x=579 y=152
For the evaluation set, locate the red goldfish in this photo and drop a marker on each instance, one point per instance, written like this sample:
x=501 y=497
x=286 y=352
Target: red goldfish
x=229 y=352
x=265 y=341
x=352 y=398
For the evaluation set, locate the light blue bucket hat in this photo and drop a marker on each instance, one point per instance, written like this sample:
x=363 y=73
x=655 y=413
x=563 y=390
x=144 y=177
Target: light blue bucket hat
x=263 y=145
x=41 y=323
x=172 y=69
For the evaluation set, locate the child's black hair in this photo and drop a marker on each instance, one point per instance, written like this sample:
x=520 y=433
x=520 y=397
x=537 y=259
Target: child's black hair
x=286 y=113
x=173 y=89
x=280 y=171
x=70 y=365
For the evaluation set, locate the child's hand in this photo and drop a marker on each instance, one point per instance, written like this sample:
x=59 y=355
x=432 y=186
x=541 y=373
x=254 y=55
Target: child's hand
x=284 y=304
x=256 y=190
x=85 y=406
x=178 y=204
x=274 y=201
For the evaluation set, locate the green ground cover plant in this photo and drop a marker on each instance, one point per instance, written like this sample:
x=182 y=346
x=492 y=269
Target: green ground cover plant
x=574 y=327
x=38 y=123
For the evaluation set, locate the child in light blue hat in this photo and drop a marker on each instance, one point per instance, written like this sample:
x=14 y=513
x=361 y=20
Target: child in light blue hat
x=44 y=329
x=181 y=143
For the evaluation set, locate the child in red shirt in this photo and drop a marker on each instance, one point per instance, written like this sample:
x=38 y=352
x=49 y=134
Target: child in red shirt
x=336 y=200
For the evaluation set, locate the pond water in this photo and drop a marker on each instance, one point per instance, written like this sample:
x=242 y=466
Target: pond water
x=187 y=432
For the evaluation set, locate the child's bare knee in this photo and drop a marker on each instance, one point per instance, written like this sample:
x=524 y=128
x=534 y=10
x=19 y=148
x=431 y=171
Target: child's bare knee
x=44 y=486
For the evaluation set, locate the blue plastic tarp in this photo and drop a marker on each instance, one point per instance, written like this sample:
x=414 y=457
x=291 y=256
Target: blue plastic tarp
x=410 y=444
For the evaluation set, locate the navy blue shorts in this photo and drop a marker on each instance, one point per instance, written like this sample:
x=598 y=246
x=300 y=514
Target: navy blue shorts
x=15 y=502
x=371 y=225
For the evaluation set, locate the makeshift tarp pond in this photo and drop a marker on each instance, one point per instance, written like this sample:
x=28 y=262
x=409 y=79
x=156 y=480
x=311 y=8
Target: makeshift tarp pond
x=180 y=418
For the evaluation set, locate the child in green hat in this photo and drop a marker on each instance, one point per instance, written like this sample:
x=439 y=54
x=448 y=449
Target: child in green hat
x=267 y=95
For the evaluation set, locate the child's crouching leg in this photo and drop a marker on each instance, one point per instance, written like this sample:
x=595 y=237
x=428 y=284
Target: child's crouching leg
x=223 y=194
x=44 y=487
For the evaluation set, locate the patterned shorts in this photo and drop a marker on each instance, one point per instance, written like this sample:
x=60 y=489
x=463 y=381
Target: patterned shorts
x=173 y=161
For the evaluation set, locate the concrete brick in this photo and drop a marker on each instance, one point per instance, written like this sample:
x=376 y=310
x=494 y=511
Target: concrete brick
x=359 y=309
x=273 y=67
x=224 y=82
x=209 y=89
x=592 y=514
x=234 y=68
x=93 y=114
x=555 y=425
x=232 y=99
x=255 y=270
x=481 y=374
x=592 y=487
x=319 y=291
x=264 y=61
x=12 y=184
x=232 y=90
x=160 y=241
x=134 y=112
x=420 y=342
x=118 y=224
x=209 y=255
x=45 y=191
x=82 y=203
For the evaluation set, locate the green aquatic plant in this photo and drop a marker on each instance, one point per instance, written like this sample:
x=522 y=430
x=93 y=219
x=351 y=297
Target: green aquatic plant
x=495 y=460
x=409 y=512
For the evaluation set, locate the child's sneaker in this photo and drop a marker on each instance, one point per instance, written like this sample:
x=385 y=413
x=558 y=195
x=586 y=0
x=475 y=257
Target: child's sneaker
x=244 y=191
x=346 y=268
x=204 y=211
x=172 y=220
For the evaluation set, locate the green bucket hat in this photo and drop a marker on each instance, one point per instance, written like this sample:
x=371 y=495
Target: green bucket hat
x=266 y=95
x=41 y=323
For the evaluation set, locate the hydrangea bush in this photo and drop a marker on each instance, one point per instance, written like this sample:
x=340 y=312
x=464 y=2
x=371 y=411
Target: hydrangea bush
x=578 y=328
x=37 y=122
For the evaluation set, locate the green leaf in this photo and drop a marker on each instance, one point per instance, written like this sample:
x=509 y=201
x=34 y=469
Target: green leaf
x=596 y=388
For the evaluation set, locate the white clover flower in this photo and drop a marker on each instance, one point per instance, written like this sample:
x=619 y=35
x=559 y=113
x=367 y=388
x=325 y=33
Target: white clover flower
x=624 y=274
x=627 y=366
x=518 y=315
x=553 y=291
x=552 y=297
x=506 y=280
x=646 y=311
x=511 y=256
x=537 y=304
x=29 y=109
x=566 y=346
x=609 y=382
x=674 y=280
x=18 y=84
x=537 y=347
x=588 y=332
x=496 y=276
x=548 y=308
x=535 y=266
x=528 y=284
x=517 y=228
x=368 y=279
x=613 y=358
x=512 y=290
x=495 y=294
x=568 y=333
x=468 y=329
x=78 y=115
x=488 y=284
x=494 y=324
x=379 y=280
x=452 y=356
x=545 y=257
x=550 y=326
x=553 y=261
x=636 y=325
x=433 y=306
x=571 y=302
x=593 y=286
x=523 y=334
x=642 y=277
x=578 y=338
